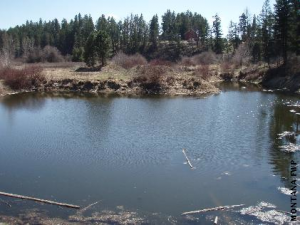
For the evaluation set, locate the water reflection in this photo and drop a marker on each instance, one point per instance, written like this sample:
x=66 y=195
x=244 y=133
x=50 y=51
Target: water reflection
x=282 y=120
x=27 y=101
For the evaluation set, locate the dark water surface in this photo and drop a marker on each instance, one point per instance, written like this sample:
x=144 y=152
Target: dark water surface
x=127 y=152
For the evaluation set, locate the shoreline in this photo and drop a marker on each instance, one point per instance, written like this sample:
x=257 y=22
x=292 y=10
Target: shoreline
x=120 y=88
x=160 y=80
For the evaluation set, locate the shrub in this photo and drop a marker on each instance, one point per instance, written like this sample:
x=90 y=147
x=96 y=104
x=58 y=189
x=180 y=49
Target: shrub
x=242 y=55
x=52 y=54
x=34 y=56
x=48 y=54
x=187 y=61
x=205 y=58
x=202 y=72
x=24 y=78
x=151 y=78
x=226 y=67
x=160 y=62
x=129 y=61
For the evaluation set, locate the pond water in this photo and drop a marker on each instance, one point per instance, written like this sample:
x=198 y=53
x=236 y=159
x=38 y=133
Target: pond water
x=126 y=154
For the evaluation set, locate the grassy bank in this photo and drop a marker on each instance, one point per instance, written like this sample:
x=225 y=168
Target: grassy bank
x=134 y=75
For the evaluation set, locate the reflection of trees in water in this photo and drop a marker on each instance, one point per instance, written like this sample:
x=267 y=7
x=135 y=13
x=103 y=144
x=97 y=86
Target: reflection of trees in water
x=236 y=86
x=99 y=115
x=36 y=101
x=282 y=121
x=27 y=101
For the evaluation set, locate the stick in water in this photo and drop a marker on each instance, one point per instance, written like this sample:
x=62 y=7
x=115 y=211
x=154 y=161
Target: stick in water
x=187 y=159
x=216 y=220
x=86 y=208
x=211 y=209
x=39 y=200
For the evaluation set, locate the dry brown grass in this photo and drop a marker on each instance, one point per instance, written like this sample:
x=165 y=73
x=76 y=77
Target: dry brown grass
x=187 y=61
x=161 y=62
x=202 y=72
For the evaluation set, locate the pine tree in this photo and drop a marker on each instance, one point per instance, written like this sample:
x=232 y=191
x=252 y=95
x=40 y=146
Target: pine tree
x=114 y=33
x=216 y=29
x=102 y=24
x=154 y=31
x=295 y=27
x=283 y=16
x=233 y=35
x=89 y=50
x=266 y=18
x=169 y=31
x=102 y=46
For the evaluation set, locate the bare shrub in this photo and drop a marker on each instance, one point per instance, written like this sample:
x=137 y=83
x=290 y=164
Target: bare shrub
x=226 y=67
x=202 y=72
x=48 y=54
x=205 y=58
x=170 y=80
x=25 y=78
x=187 y=61
x=242 y=55
x=34 y=55
x=52 y=54
x=151 y=78
x=129 y=61
x=160 y=62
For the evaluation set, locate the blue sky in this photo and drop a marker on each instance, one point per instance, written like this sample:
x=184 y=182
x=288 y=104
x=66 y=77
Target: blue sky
x=16 y=12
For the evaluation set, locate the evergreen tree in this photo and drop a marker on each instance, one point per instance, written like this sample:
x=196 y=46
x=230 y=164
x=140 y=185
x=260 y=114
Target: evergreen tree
x=233 y=35
x=102 y=46
x=89 y=50
x=216 y=29
x=114 y=33
x=283 y=16
x=267 y=31
x=295 y=27
x=169 y=31
x=102 y=24
x=154 y=31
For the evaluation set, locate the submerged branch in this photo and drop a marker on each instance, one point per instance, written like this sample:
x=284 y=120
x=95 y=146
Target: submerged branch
x=211 y=209
x=187 y=159
x=40 y=200
x=87 y=207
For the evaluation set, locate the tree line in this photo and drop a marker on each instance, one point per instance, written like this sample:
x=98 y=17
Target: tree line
x=274 y=33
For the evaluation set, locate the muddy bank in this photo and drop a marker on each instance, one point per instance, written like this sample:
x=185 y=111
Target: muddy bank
x=170 y=86
x=275 y=78
x=282 y=78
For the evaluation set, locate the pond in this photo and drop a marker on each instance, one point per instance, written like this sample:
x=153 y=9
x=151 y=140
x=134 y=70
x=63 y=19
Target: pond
x=125 y=153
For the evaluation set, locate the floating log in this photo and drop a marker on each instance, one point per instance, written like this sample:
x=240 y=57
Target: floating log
x=40 y=200
x=187 y=159
x=211 y=209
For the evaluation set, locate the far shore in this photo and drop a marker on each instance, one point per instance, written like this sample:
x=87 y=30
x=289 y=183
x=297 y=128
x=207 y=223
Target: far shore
x=140 y=80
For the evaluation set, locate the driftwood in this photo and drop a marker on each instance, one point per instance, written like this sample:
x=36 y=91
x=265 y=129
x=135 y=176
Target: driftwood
x=187 y=159
x=39 y=200
x=211 y=209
